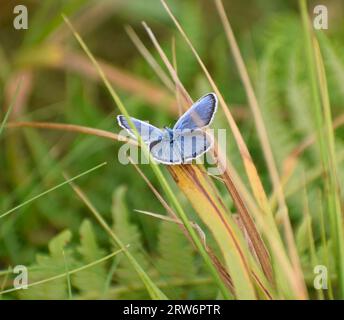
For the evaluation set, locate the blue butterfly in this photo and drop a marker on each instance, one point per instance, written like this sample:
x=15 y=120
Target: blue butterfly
x=185 y=141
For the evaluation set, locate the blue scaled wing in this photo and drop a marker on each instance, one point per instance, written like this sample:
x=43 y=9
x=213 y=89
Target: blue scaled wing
x=147 y=132
x=193 y=144
x=184 y=148
x=200 y=114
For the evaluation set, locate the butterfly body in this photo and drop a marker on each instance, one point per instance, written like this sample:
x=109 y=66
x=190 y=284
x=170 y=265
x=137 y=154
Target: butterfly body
x=186 y=141
x=169 y=133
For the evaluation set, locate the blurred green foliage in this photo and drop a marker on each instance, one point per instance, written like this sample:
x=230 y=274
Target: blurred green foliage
x=31 y=161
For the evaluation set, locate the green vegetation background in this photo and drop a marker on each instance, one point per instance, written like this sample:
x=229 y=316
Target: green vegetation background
x=31 y=161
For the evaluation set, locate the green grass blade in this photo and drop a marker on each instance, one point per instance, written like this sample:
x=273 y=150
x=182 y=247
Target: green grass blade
x=9 y=110
x=322 y=111
x=63 y=275
x=324 y=243
x=69 y=284
x=51 y=189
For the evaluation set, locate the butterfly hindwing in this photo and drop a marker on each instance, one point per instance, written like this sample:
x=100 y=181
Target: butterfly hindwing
x=185 y=147
x=193 y=144
x=164 y=151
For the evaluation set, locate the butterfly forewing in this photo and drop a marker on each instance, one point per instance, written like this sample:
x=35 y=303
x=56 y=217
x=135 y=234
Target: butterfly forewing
x=147 y=132
x=199 y=115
